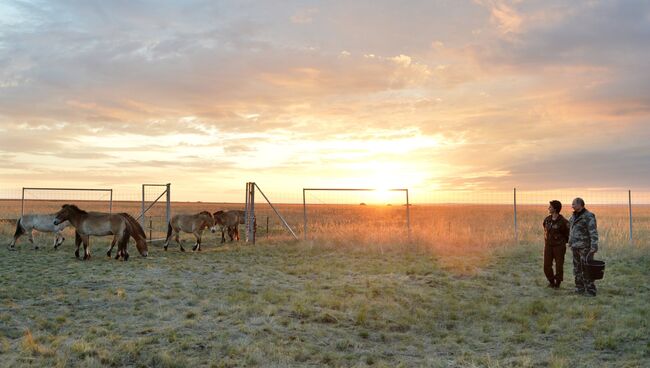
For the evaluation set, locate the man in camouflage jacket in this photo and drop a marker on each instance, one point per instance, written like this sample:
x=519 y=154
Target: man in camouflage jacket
x=583 y=240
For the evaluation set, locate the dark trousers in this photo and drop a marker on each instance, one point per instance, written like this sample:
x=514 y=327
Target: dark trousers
x=554 y=254
x=583 y=282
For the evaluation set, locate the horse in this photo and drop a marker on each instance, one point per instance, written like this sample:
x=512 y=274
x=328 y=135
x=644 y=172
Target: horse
x=194 y=224
x=26 y=224
x=120 y=225
x=230 y=220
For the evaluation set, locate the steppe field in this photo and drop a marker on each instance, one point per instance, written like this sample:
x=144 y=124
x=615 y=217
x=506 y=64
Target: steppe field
x=460 y=292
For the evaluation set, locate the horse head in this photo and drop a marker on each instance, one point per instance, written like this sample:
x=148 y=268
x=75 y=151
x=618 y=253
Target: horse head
x=208 y=221
x=67 y=212
x=219 y=218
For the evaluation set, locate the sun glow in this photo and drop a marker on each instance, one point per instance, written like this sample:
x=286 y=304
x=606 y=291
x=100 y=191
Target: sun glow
x=384 y=195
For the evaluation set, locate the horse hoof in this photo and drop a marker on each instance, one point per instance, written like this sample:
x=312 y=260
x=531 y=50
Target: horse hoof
x=182 y=249
x=126 y=257
x=165 y=248
x=76 y=254
x=108 y=254
x=35 y=248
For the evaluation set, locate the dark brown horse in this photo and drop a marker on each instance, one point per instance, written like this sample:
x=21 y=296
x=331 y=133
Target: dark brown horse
x=120 y=225
x=230 y=220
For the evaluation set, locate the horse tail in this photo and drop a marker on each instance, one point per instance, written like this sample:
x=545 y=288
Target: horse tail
x=137 y=233
x=169 y=229
x=19 y=229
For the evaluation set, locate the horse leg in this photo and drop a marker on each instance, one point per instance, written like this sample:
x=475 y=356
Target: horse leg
x=178 y=240
x=169 y=237
x=197 y=245
x=110 y=250
x=58 y=240
x=12 y=245
x=122 y=244
x=86 y=241
x=77 y=243
x=223 y=234
x=31 y=239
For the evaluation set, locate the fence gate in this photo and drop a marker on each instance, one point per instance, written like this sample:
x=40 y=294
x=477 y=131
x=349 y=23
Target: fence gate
x=251 y=223
x=154 y=220
x=49 y=200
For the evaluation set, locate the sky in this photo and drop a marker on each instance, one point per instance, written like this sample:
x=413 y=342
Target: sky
x=428 y=95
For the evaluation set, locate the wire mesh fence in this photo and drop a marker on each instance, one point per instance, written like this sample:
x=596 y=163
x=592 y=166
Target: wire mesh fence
x=376 y=218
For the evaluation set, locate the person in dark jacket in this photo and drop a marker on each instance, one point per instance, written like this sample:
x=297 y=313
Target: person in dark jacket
x=556 y=236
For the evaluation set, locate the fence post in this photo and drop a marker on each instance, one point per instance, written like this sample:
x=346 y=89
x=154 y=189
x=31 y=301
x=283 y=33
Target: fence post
x=304 y=213
x=246 y=209
x=110 y=203
x=142 y=208
x=408 y=215
x=250 y=212
x=22 y=204
x=169 y=203
x=515 y=214
x=629 y=205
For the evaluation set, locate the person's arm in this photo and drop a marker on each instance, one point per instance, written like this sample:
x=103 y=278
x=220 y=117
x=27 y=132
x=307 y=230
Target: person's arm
x=593 y=233
x=565 y=231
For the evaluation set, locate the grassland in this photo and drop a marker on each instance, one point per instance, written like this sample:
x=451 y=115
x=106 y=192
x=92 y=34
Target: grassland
x=461 y=295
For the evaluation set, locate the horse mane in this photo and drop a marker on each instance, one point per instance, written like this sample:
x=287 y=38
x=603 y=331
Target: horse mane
x=74 y=208
x=205 y=213
x=137 y=228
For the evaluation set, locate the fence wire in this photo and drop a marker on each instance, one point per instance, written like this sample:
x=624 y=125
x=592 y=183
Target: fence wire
x=444 y=218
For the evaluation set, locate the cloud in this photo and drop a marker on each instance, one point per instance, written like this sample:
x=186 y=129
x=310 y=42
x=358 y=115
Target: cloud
x=506 y=18
x=220 y=91
x=304 y=16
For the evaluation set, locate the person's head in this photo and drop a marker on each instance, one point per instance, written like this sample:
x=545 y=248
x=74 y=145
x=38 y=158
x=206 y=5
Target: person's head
x=578 y=204
x=554 y=207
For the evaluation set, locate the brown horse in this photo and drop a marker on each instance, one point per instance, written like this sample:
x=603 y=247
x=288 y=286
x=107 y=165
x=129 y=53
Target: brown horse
x=230 y=220
x=194 y=224
x=120 y=225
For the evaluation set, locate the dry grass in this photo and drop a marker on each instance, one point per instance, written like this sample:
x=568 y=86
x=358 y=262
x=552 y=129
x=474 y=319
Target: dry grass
x=461 y=296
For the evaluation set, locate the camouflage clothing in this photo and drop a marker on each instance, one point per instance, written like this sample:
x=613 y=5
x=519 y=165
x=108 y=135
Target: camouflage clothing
x=584 y=231
x=583 y=240
x=583 y=283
